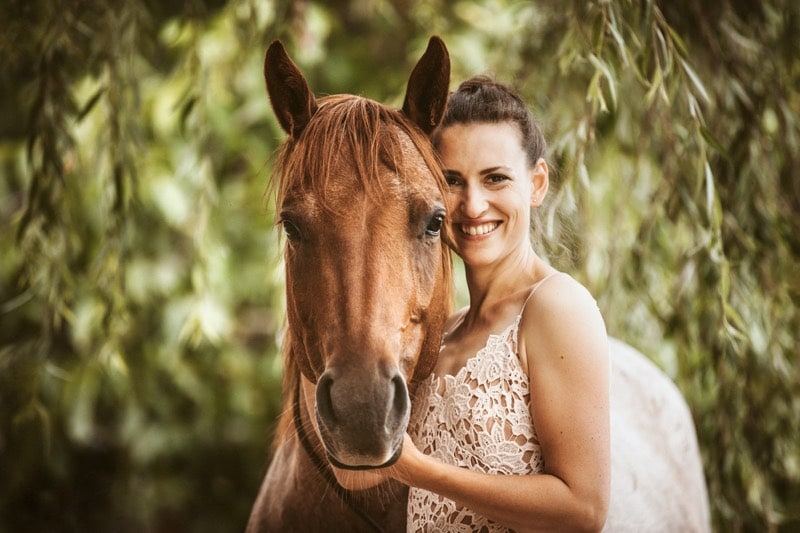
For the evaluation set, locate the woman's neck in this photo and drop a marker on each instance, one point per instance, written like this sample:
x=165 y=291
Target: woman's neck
x=501 y=282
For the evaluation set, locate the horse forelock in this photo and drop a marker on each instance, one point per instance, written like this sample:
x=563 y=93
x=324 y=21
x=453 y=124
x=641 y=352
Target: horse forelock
x=347 y=145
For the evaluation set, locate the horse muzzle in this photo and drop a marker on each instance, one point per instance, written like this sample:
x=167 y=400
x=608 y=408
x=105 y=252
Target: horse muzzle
x=362 y=419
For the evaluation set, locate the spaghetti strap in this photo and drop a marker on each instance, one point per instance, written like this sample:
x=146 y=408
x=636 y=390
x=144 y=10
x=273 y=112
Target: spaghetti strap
x=536 y=286
x=462 y=313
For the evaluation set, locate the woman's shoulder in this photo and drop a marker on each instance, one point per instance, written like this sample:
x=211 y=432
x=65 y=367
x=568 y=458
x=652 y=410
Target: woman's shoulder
x=557 y=293
x=559 y=315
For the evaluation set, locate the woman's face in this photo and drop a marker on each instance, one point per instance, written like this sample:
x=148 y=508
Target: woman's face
x=492 y=189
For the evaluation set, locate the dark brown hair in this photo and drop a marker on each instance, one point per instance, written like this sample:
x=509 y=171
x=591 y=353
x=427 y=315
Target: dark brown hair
x=482 y=99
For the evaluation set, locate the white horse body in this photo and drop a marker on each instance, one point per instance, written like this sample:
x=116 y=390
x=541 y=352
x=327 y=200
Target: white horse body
x=657 y=480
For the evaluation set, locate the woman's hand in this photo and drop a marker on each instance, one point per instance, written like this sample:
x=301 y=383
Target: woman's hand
x=410 y=459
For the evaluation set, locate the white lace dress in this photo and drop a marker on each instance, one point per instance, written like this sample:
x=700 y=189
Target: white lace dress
x=481 y=420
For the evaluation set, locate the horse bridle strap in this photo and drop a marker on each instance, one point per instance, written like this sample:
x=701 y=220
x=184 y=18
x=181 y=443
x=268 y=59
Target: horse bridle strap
x=322 y=466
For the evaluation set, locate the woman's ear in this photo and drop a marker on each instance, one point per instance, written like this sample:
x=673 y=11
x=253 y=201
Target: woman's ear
x=540 y=182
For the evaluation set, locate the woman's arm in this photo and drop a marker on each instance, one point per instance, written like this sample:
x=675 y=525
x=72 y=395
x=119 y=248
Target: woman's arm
x=563 y=340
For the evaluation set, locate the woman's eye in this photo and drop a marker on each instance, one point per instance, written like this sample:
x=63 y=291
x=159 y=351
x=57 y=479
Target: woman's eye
x=434 y=227
x=452 y=180
x=496 y=178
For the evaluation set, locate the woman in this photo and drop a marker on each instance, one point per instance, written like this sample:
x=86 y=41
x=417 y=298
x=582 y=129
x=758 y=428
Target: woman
x=514 y=432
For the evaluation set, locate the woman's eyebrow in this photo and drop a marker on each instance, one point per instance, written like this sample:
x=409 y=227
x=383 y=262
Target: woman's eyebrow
x=495 y=169
x=484 y=172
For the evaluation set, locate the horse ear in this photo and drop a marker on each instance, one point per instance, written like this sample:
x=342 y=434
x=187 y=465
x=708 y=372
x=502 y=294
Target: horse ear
x=426 y=94
x=292 y=100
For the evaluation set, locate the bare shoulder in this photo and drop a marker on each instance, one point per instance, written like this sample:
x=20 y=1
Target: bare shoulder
x=560 y=320
x=560 y=300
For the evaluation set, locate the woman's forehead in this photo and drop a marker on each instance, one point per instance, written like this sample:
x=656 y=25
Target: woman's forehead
x=480 y=144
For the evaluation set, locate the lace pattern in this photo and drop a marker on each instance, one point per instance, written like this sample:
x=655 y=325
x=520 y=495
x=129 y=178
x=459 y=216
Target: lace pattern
x=480 y=420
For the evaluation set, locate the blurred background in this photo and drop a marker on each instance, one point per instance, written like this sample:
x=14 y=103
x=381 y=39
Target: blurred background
x=141 y=286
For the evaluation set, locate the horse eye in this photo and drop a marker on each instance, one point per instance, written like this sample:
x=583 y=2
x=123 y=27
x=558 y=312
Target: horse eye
x=434 y=227
x=291 y=230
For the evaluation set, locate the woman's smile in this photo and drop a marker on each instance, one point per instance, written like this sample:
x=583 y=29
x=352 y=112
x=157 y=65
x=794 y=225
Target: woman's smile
x=478 y=229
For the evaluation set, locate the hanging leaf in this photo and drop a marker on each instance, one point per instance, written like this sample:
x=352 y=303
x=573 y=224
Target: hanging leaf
x=695 y=80
x=610 y=81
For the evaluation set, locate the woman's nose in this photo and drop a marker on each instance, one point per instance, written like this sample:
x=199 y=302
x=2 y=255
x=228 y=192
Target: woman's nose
x=472 y=202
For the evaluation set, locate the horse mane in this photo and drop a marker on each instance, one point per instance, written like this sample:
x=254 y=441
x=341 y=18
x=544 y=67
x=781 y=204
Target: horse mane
x=368 y=132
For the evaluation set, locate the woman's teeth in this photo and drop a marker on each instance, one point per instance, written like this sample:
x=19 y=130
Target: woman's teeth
x=481 y=229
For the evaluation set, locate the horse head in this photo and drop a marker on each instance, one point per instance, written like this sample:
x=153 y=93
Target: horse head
x=360 y=198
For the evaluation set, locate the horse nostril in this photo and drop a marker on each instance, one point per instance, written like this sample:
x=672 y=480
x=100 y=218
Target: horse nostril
x=399 y=407
x=324 y=402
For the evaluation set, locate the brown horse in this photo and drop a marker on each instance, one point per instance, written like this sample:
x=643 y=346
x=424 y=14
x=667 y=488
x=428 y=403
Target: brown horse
x=360 y=197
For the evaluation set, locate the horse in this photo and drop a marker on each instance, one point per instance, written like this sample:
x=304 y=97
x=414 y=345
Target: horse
x=360 y=199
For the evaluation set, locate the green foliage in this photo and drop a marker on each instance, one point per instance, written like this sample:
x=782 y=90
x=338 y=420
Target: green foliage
x=141 y=284
x=140 y=276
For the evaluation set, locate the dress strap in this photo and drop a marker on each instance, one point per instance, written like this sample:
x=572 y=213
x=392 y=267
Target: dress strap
x=536 y=286
x=456 y=322
x=522 y=362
